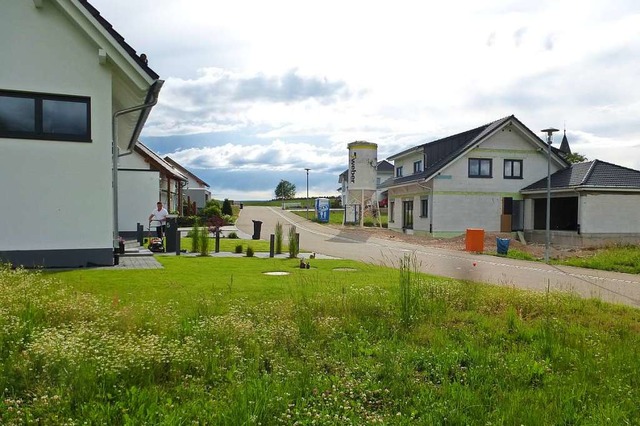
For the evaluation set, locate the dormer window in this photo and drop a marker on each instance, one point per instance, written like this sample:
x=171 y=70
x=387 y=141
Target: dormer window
x=399 y=171
x=417 y=166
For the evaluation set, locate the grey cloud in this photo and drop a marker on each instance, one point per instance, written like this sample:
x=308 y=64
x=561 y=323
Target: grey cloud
x=289 y=87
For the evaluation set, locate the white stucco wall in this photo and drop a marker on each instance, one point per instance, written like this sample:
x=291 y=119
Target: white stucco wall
x=406 y=162
x=56 y=195
x=133 y=161
x=610 y=213
x=137 y=197
x=460 y=202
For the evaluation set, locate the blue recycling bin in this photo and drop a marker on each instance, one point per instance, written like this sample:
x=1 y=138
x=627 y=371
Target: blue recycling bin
x=503 y=245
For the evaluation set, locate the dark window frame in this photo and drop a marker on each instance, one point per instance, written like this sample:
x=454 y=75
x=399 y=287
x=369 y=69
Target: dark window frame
x=39 y=118
x=504 y=169
x=479 y=163
x=424 y=207
x=399 y=171
x=417 y=166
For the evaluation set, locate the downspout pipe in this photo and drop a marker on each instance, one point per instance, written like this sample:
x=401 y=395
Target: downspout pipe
x=152 y=100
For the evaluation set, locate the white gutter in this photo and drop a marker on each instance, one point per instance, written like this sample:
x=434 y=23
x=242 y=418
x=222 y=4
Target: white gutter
x=115 y=151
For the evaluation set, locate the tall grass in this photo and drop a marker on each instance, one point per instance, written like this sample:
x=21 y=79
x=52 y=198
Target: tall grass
x=195 y=237
x=318 y=346
x=278 y=238
x=203 y=241
x=623 y=258
x=293 y=242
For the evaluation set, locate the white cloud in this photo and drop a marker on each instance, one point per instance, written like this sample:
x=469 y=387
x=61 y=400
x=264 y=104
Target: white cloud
x=286 y=71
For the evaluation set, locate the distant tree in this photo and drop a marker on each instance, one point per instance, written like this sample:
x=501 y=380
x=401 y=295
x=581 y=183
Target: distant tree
x=285 y=190
x=576 y=157
x=226 y=207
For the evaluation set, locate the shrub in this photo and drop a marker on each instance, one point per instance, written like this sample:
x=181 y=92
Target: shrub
x=278 y=238
x=239 y=248
x=233 y=235
x=195 y=237
x=204 y=241
x=226 y=207
x=249 y=252
x=293 y=242
x=211 y=209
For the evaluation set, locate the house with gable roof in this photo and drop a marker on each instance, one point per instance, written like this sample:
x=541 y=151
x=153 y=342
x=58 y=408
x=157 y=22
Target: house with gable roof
x=73 y=97
x=493 y=177
x=468 y=180
x=197 y=191
x=146 y=178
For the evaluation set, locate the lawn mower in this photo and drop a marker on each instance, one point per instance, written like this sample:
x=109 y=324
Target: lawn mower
x=156 y=244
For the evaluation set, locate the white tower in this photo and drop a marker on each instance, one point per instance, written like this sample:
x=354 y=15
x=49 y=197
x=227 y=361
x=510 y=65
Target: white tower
x=361 y=181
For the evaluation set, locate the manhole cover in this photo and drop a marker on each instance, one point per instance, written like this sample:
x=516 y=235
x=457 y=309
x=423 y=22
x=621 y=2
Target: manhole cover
x=276 y=273
x=345 y=269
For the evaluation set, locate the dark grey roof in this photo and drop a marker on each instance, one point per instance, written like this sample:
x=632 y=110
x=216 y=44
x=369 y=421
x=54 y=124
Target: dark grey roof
x=384 y=166
x=594 y=173
x=130 y=50
x=564 y=146
x=442 y=151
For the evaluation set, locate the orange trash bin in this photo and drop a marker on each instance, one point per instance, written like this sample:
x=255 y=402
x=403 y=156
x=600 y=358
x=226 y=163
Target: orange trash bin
x=474 y=240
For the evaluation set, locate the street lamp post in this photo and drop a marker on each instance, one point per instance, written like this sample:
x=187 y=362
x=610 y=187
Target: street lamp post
x=307 y=203
x=549 y=133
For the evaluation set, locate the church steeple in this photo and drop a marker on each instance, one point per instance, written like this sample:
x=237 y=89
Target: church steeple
x=564 y=146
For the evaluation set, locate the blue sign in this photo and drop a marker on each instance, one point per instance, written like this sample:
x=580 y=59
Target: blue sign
x=322 y=210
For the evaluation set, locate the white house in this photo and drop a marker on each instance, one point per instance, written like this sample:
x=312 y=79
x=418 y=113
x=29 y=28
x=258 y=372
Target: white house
x=144 y=179
x=69 y=87
x=468 y=180
x=494 y=177
x=197 y=191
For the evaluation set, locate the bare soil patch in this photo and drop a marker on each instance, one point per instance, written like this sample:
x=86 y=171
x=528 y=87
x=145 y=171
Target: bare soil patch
x=458 y=243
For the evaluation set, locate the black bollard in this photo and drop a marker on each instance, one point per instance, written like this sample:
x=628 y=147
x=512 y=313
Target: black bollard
x=272 y=245
x=140 y=233
x=217 y=240
x=178 y=235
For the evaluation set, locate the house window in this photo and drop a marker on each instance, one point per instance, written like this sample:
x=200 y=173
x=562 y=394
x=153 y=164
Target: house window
x=424 y=207
x=377 y=181
x=399 y=171
x=26 y=115
x=480 y=167
x=417 y=166
x=513 y=169
x=392 y=205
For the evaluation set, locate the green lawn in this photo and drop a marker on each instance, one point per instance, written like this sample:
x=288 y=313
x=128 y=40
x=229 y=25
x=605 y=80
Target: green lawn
x=216 y=341
x=337 y=216
x=615 y=258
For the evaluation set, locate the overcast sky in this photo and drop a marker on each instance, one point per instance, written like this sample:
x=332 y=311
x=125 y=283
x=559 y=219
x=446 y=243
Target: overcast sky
x=257 y=91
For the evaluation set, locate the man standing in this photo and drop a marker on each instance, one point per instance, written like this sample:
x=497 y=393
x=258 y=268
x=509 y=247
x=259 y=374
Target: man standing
x=159 y=216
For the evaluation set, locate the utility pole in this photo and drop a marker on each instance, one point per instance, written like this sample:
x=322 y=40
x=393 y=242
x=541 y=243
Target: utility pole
x=547 y=242
x=307 y=203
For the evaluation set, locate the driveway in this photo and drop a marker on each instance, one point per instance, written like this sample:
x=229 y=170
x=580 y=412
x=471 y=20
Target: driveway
x=609 y=286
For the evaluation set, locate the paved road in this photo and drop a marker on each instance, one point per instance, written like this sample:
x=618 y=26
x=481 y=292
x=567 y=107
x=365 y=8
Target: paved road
x=609 y=286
